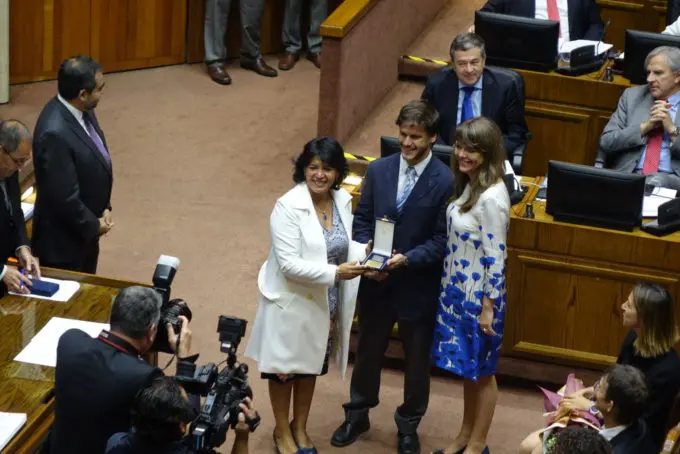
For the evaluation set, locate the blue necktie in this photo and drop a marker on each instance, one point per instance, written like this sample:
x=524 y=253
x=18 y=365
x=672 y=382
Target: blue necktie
x=408 y=187
x=467 y=112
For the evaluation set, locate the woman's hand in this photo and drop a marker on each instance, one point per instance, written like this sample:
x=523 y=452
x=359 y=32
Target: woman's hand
x=576 y=403
x=588 y=393
x=486 y=317
x=348 y=271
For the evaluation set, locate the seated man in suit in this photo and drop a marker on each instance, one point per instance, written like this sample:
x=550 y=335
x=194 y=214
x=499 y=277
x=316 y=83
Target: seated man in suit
x=470 y=90
x=96 y=380
x=579 y=19
x=641 y=135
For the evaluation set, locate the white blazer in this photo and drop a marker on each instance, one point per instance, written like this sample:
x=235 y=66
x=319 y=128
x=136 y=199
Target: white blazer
x=290 y=332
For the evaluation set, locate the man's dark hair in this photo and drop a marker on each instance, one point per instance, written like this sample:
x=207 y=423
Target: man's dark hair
x=135 y=310
x=627 y=388
x=467 y=41
x=158 y=412
x=581 y=440
x=75 y=74
x=419 y=113
x=12 y=133
x=329 y=151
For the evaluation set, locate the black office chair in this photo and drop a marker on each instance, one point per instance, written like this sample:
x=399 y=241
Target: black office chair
x=516 y=156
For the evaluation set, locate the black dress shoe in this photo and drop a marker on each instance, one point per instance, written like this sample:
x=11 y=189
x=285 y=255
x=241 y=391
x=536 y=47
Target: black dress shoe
x=348 y=432
x=259 y=66
x=408 y=444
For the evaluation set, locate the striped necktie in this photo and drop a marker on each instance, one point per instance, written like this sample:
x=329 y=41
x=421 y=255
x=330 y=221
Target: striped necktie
x=408 y=187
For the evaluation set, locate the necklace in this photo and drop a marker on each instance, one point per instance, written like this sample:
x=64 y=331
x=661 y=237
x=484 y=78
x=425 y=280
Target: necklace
x=323 y=213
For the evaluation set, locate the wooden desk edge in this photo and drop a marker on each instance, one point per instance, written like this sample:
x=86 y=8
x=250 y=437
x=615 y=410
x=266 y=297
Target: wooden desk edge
x=34 y=433
x=345 y=17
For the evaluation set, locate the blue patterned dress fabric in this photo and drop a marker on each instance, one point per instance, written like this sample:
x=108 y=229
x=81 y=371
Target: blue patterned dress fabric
x=474 y=267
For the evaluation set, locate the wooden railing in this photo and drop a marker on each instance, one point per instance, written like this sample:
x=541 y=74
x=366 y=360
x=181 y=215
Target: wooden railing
x=345 y=17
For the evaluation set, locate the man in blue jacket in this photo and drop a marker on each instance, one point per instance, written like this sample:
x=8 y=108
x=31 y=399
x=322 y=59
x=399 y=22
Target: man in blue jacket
x=412 y=189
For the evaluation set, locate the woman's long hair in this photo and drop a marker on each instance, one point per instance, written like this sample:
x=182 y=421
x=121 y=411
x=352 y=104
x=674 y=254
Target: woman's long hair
x=483 y=136
x=658 y=331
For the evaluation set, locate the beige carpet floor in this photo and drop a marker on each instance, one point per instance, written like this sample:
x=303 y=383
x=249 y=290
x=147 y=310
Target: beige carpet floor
x=198 y=168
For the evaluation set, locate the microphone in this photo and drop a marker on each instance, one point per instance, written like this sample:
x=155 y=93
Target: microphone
x=604 y=33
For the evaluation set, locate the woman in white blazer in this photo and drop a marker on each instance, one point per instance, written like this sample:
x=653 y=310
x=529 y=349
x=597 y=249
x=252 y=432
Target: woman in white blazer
x=308 y=288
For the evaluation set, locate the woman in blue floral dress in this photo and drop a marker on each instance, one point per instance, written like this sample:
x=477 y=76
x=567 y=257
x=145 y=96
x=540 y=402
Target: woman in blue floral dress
x=470 y=315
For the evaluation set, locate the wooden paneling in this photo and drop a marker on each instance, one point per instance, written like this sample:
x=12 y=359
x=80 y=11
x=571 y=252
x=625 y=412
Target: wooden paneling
x=45 y=32
x=648 y=15
x=566 y=284
x=130 y=34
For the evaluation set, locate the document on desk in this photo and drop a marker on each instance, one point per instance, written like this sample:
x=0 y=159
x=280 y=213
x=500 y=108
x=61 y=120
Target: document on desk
x=10 y=424
x=66 y=290
x=600 y=47
x=652 y=202
x=42 y=349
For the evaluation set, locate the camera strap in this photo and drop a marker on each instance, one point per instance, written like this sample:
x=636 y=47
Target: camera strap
x=118 y=343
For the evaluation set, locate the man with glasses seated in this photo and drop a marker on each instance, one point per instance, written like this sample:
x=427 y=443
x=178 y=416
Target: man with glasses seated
x=15 y=152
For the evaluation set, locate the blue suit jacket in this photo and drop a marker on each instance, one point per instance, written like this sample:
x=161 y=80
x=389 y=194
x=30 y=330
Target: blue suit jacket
x=420 y=234
x=502 y=102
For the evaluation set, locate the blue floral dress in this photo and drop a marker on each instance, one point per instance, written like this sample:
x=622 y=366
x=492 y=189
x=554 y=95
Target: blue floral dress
x=474 y=266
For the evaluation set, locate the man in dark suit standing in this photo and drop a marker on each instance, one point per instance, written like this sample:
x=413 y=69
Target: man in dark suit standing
x=579 y=19
x=96 y=380
x=469 y=90
x=73 y=171
x=412 y=188
x=15 y=152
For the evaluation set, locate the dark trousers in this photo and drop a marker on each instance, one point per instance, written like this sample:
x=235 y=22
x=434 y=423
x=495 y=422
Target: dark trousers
x=87 y=263
x=375 y=328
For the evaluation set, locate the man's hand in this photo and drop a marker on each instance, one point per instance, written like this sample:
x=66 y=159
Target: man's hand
x=184 y=338
x=248 y=413
x=105 y=223
x=15 y=281
x=647 y=126
x=28 y=262
x=396 y=261
x=376 y=275
x=576 y=403
x=660 y=115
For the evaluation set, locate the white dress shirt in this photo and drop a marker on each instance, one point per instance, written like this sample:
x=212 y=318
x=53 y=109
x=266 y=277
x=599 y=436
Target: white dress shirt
x=403 y=165
x=610 y=432
x=75 y=112
x=673 y=29
x=563 y=11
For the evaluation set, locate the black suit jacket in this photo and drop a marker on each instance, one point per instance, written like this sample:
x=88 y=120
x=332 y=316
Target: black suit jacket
x=95 y=386
x=12 y=226
x=502 y=102
x=74 y=184
x=420 y=234
x=636 y=439
x=584 y=15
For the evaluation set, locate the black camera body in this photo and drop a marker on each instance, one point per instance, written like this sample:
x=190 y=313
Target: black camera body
x=223 y=391
x=171 y=310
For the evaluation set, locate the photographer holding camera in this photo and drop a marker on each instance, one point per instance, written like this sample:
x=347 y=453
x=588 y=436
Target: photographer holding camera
x=96 y=380
x=161 y=415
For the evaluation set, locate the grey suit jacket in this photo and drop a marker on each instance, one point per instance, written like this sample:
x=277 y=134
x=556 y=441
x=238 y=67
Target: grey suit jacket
x=621 y=141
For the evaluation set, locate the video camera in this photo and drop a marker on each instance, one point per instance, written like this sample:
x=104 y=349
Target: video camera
x=163 y=275
x=223 y=391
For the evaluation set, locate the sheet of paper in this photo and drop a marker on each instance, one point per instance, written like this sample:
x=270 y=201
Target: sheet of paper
x=27 y=209
x=600 y=47
x=42 y=349
x=651 y=203
x=354 y=180
x=66 y=290
x=10 y=424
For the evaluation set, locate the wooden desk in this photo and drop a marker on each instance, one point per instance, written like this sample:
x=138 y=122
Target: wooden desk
x=647 y=15
x=25 y=388
x=565 y=115
x=566 y=284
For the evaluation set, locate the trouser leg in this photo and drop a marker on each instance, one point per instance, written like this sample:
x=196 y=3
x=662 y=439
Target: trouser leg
x=251 y=19
x=215 y=29
x=416 y=337
x=318 y=14
x=292 y=40
x=375 y=328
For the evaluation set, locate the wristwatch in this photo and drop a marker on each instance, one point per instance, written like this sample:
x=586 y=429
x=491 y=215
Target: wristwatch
x=593 y=410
